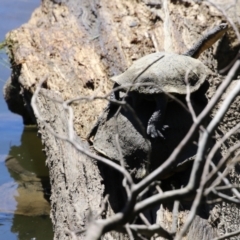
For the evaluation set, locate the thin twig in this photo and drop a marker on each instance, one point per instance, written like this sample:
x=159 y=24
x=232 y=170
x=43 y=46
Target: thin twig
x=144 y=219
x=228 y=235
x=218 y=144
x=225 y=197
x=173 y=157
x=74 y=143
x=188 y=97
x=151 y=230
x=175 y=216
x=220 y=164
x=226 y=181
x=129 y=232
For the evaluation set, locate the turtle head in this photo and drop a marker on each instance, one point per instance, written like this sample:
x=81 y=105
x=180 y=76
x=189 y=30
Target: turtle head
x=207 y=40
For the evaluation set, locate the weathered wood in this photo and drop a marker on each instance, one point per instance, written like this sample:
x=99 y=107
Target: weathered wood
x=76 y=189
x=77 y=46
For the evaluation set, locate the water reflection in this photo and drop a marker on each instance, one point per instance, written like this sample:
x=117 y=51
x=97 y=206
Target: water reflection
x=29 y=153
x=32 y=227
x=26 y=195
x=25 y=228
x=24 y=177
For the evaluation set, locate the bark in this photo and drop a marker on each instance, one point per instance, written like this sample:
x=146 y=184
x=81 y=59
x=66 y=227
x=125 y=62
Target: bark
x=78 y=45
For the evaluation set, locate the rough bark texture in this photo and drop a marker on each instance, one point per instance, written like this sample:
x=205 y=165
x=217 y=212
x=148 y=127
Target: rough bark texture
x=78 y=45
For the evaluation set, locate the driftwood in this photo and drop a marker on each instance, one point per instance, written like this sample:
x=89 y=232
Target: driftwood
x=76 y=46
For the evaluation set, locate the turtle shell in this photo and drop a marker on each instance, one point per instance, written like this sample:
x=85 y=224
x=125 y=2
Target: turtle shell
x=163 y=72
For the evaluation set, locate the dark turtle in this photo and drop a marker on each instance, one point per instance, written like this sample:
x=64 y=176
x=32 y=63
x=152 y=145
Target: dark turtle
x=159 y=74
x=139 y=153
x=167 y=73
x=135 y=146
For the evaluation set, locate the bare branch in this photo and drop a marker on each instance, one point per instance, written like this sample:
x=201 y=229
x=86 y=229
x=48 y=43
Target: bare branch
x=226 y=197
x=151 y=230
x=144 y=219
x=221 y=163
x=129 y=232
x=160 y=198
x=73 y=142
x=103 y=205
x=199 y=161
x=229 y=186
x=171 y=160
x=226 y=181
x=228 y=235
x=211 y=127
x=175 y=216
x=220 y=142
x=122 y=163
x=188 y=97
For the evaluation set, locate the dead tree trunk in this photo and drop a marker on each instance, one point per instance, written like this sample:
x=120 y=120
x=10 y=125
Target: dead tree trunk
x=76 y=46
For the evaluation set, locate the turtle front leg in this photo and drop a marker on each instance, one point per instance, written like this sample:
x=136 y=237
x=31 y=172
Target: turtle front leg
x=155 y=127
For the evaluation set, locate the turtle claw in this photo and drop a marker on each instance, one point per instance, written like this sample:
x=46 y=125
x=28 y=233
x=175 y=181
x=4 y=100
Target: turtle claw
x=165 y=127
x=154 y=132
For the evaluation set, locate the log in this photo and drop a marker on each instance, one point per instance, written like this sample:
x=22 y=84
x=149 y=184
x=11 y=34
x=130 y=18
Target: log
x=77 y=47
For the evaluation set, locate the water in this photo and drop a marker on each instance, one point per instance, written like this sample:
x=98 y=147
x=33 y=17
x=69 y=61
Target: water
x=23 y=207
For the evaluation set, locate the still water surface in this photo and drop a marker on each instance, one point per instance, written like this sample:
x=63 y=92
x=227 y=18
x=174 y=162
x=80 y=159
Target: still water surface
x=23 y=209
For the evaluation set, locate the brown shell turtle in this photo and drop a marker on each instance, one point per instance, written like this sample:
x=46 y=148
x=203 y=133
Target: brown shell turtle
x=156 y=75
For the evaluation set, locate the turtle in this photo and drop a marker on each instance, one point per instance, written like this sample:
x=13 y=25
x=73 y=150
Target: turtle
x=139 y=153
x=157 y=75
